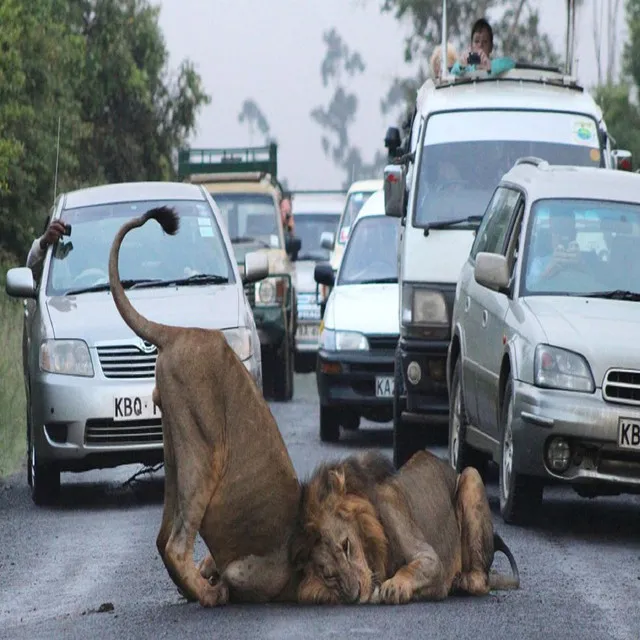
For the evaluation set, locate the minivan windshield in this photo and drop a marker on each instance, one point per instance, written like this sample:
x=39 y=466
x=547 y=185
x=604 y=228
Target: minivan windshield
x=466 y=153
x=148 y=256
x=582 y=248
x=371 y=256
x=355 y=202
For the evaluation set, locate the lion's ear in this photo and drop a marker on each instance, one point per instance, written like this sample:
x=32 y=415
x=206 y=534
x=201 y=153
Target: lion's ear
x=337 y=482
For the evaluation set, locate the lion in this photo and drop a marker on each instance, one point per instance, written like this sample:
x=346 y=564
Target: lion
x=228 y=475
x=371 y=534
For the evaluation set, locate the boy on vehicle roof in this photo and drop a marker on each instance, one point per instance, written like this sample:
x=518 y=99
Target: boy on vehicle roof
x=481 y=45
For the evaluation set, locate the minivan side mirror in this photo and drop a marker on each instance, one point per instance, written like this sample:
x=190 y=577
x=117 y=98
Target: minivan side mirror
x=323 y=274
x=394 y=190
x=327 y=240
x=623 y=159
x=293 y=246
x=20 y=283
x=256 y=267
x=492 y=271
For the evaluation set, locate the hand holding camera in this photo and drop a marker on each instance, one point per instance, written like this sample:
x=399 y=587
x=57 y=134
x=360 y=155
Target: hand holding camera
x=54 y=232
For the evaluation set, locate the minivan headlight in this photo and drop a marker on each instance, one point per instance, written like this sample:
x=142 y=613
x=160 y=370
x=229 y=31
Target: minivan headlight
x=423 y=307
x=66 y=357
x=332 y=340
x=240 y=341
x=557 y=368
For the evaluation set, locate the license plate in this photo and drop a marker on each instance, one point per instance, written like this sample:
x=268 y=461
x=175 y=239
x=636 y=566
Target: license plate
x=134 y=408
x=308 y=332
x=384 y=386
x=628 y=433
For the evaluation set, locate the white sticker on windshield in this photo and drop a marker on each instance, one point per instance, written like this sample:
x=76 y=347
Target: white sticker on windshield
x=273 y=240
x=204 y=222
x=206 y=232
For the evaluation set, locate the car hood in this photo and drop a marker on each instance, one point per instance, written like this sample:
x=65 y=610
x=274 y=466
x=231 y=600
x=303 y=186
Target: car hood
x=368 y=308
x=305 y=282
x=604 y=331
x=93 y=317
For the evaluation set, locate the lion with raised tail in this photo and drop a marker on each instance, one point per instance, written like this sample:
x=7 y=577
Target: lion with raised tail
x=377 y=535
x=228 y=475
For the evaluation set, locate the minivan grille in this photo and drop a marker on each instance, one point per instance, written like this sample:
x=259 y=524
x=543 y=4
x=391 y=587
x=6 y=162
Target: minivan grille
x=108 y=433
x=127 y=361
x=622 y=386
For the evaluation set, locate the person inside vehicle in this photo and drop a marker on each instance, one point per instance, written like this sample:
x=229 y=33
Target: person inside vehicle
x=35 y=259
x=286 y=214
x=479 y=52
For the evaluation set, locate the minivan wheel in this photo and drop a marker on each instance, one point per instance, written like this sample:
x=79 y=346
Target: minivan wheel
x=329 y=424
x=45 y=479
x=461 y=454
x=520 y=496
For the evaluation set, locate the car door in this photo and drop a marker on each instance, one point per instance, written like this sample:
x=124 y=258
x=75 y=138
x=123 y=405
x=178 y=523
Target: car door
x=489 y=309
x=468 y=315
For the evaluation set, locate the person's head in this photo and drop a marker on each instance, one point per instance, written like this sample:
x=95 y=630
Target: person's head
x=285 y=206
x=436 y=58
x=482 y=36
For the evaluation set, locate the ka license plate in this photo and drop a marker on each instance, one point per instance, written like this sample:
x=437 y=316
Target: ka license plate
x=384 y=386
x=134 y=408
x=628 y=433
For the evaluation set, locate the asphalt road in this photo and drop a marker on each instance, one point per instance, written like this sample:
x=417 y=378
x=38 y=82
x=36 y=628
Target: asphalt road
x=579 y=567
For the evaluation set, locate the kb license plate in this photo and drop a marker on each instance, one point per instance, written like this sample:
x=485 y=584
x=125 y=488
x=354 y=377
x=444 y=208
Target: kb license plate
x=384 y=386
x=134 y=408
x=628 y=433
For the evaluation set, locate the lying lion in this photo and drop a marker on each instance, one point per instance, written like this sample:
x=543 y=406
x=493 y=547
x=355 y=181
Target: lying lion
x=371 y=534
x=228 y=475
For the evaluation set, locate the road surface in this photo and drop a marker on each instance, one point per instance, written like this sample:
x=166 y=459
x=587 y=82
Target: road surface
x=89 y=568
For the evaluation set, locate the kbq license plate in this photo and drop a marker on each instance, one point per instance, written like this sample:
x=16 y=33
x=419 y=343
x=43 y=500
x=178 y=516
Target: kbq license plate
x=628 y=433
x=134 y=408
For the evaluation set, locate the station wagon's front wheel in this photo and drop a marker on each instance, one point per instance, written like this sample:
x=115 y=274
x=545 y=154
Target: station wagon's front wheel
x=45 y=479
x=520 y=496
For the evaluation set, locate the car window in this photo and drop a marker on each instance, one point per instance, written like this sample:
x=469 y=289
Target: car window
x=578 y=246
x=355 y=202
x=309 y=228
x=82 y=258
x=493 y=230
x=371 y=255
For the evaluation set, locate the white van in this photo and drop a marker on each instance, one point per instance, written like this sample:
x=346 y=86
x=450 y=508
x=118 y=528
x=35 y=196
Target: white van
x=467 y=132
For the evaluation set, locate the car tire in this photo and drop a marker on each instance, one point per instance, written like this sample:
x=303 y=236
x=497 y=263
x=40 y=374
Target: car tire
x=281 y=371
x=45 y=479
x=329 y=424
x=461 y=454
x=520 y=495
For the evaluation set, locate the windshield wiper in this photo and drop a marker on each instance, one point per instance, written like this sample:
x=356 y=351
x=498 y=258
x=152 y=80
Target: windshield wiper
x=445 y=224
x=239 y=239
x=388 y=280
x=104 y=286
x=196 y=279
x=614 y=294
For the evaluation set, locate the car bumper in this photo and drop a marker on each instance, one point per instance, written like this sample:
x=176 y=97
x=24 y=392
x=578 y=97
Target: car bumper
x=428 y=398
x=74 y=422
x=349 y=379
x=587 y=422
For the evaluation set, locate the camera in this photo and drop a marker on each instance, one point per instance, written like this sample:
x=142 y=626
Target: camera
x=473 y=58
x=67 y=230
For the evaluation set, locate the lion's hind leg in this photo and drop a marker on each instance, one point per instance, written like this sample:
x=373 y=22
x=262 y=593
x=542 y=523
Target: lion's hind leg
x=476 y=529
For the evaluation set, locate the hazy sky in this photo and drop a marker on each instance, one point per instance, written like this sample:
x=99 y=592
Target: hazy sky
x=271 y=50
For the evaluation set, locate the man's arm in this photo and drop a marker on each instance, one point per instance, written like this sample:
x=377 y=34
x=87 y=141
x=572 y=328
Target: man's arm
x=38 y=250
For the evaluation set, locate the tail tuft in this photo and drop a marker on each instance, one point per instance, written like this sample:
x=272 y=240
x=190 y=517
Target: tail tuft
x=167 y=217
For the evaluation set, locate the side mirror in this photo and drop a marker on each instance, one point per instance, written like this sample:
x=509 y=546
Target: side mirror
x=392 y=141
x=492 y=271
x=323 y=274
x=623 y=159
x=20 y=283
x=292 y=246
x=256 y=267
x=394 y=190
x=327 y=240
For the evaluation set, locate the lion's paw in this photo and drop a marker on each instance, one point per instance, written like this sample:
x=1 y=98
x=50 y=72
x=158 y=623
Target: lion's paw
x=214 y=595
x=395 y=591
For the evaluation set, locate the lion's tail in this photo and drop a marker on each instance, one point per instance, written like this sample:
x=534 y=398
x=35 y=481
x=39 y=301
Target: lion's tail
x=153 y=332
x=500 y=582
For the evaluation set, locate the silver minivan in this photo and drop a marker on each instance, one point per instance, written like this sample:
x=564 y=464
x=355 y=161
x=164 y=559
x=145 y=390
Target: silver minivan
x=88 y=377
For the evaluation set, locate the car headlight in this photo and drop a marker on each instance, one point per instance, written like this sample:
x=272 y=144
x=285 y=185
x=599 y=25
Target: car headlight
x=557 y=368
x=240 y=341
x=331 y=340
x=423 y=307
x=271 y=291
x=66 y=357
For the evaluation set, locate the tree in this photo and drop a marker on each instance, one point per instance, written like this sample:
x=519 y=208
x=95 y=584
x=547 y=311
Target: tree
x=338 y=65
x=255 y=119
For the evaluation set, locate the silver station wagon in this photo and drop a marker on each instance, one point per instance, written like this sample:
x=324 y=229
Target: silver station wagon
x=88 y=377
x=544 y=363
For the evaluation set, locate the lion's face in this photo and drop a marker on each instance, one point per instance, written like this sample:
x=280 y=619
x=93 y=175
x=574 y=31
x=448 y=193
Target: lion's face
x=345 y=550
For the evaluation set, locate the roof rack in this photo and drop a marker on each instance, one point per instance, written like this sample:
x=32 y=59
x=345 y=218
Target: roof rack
x=250 y=161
